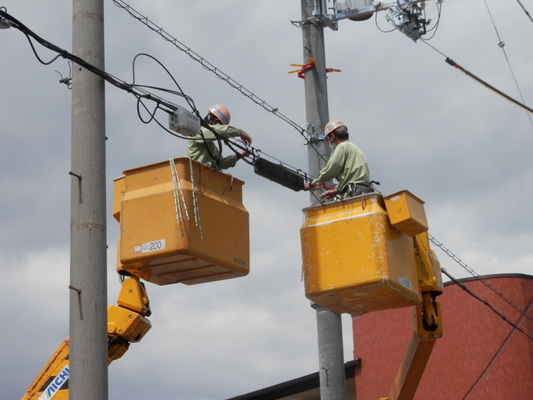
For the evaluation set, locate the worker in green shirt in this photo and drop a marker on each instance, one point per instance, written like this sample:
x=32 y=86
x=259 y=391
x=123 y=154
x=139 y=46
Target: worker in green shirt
x=203 y=147
x=347 y=164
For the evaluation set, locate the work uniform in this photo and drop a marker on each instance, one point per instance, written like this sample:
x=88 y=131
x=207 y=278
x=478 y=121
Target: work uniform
x=348 y=165
x=201 y=146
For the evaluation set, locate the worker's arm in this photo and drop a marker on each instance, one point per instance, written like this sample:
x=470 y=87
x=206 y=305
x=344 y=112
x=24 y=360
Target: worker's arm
x=228 y=131
x=223 y=131
x=332 y=168
x=330 y=171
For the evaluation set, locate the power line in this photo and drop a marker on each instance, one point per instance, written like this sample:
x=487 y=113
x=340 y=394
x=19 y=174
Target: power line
x=523 y=8
x=491 y=362
x=475 y=274
x=479 y=80
x=132 y=88
x=501 y=44
x=498 y=313
x=140 y=92
x=206 y=64
x=213 y=69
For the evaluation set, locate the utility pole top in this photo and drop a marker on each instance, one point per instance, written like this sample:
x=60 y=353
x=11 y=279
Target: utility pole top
x=405 y=15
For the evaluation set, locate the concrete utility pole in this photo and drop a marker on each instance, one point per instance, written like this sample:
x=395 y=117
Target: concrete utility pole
x=88 y=281
x=329 y=324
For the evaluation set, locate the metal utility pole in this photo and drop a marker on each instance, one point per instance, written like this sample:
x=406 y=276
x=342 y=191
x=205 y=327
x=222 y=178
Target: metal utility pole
x=329 y=324
x=88 y=377
x=316 y=90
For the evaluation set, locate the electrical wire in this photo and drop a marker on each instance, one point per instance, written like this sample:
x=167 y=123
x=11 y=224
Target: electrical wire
x=435 y=27
x=523 y=8
x=501 y=44
x=491 y=362
x=475 y=296
x=479 y=80
x=212 y=68
x=191 y=104
x=468 y=73
x=475 y=274
x=379 y=28
x=180 y=93
x=218 y=73
x=140 y=92
x=207 y=65
x=136 y=91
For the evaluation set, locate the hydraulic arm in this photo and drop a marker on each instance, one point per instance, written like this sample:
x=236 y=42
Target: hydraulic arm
x=127 y=323
x=427 y=322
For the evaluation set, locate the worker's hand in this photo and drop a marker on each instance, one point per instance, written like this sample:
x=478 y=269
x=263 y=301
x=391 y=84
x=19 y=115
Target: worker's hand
x=244 y=153
x=246 y=138
x=329 y=194
x=307 y=186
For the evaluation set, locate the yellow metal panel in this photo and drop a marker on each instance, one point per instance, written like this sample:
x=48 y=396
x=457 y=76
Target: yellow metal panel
x=126 y=324
x=406 y=212
x=119 y=187
x=187 y=226
x=354 y=261
x=52 y=381
x=133 y=296
x=429 y=275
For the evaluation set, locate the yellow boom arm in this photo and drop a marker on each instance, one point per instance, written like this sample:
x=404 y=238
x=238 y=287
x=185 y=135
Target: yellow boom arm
x=427 y=322
x=127 y=323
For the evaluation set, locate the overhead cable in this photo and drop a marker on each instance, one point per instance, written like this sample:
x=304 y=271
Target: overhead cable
x=140 y=92
x=206 y=64
x=479 y=80
x=487 y=85
x=498 y=313
x=492 y=361
x=501 y=44
x=476 y=275
x=218 y=73
x=523 y=8
x=130 y=88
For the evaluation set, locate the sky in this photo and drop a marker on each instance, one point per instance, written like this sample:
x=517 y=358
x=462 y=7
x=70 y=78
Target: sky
x=423 y=126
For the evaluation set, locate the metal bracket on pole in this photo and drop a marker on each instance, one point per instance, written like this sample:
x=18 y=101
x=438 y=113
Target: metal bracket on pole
x=315 y=133
x=355 y=10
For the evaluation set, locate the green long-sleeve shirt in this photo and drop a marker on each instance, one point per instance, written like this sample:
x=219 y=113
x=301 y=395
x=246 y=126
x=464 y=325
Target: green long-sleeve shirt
x=200 y=148
x=347 y=164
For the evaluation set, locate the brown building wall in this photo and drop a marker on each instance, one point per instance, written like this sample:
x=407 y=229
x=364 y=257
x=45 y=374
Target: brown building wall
x=479 y=357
